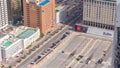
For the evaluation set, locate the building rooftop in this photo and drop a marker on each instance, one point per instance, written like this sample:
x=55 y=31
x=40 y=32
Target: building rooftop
x=14 y=34
x=59 y=8
x=39 y=2
x=7 y=43
x=27 y=33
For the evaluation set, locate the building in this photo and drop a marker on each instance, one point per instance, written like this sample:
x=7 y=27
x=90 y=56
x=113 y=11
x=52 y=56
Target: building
x=3 y=14
x=116 y=42
x=28 y=35
x=40 y=14
x=99 y=13
x=61 y=14
x=66 y=13
x=10 y=48
x=10 y=12
x=14 y=40
x=2 y=37
x=15 y=11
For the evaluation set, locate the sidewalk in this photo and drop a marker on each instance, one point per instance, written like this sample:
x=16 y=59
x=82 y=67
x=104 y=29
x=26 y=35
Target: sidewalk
x=57 y=49
x=13 y=61
x=43 y=44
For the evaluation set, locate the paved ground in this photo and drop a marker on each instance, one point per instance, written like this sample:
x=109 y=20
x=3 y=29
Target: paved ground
x=80 y=44
x=41 y=50
x=47 y=45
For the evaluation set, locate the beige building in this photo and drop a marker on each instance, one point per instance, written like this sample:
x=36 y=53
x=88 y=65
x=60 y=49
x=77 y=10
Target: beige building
x=99 y=13
x=3 y=14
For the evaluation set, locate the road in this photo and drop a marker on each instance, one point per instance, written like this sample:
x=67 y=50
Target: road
x=87 y=46
x=46 y=46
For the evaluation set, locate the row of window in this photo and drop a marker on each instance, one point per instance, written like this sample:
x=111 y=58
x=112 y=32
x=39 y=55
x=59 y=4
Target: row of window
x=88 y=10
x=100 y=2
x=100 y=25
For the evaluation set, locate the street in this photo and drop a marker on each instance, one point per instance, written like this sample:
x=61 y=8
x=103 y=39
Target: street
x=33 y=56
x=46 y=46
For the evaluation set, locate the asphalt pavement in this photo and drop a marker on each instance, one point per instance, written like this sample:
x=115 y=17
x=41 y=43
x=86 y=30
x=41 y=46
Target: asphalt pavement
x=46 y=46
x=88 y=47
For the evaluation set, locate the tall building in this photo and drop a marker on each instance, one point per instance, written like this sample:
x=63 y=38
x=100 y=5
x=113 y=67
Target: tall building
x=99 y=13
x=39 y=13
x=116 y=42
x=15 y=11
x=3 y=14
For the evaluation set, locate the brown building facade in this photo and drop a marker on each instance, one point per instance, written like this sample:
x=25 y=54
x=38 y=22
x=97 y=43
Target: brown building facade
x=40 y=16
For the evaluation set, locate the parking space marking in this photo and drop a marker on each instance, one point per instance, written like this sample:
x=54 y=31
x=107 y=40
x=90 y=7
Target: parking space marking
x=81 y=51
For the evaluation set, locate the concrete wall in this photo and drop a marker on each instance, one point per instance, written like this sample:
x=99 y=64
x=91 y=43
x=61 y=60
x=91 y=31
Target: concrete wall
x=102 y=32
x=12 y=50
x=1 y=41
x=31 y=39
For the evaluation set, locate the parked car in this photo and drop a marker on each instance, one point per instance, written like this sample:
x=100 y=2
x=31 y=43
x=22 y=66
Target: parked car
x=67 y=33
x=64 y=35
x=48 y=49
x=32 y=63
x=42 y=53
x=45 y=51
x=38 y=57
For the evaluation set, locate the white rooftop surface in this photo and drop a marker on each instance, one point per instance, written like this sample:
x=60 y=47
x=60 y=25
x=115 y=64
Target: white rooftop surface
x=18 y=30
x=60 y=7
x=84 y=45
x=12 y=33
x=7 y=42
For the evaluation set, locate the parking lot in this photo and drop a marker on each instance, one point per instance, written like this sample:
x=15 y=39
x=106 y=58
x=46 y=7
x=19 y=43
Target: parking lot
x=48 y=49
x=81 y=51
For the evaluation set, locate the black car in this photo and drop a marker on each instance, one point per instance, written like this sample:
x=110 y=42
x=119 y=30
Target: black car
x=62 y=51
x=35 y=60
x=48 y=49
x=57 y=41
x=38 y=57
x=53 y=44
x=64 y=35
x=67 y=33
